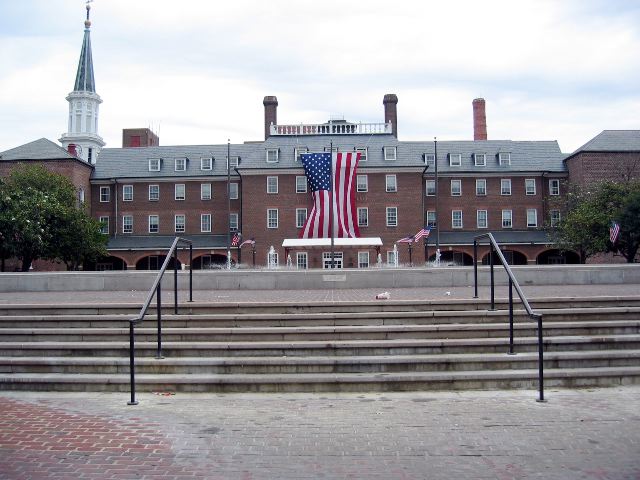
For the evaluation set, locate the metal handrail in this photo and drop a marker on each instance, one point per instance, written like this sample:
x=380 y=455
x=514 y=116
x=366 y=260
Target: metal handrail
x=513 y=283
x=156 y=289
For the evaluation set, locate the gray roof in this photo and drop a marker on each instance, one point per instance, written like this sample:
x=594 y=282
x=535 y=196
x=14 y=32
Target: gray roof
x=163 y=242
x=526 y=156
x=85 y=80
x=41 y=149
x=613 y=141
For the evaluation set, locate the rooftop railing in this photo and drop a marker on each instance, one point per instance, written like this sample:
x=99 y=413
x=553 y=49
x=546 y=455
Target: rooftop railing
x=331 y=128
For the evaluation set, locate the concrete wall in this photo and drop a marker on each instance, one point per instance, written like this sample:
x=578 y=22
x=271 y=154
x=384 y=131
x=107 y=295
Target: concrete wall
x=318 y=279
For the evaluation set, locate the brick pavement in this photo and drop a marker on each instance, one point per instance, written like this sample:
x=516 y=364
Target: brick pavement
x=584 y=434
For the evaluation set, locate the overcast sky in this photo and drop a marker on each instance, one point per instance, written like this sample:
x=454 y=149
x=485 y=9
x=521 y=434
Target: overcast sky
x=196 y=71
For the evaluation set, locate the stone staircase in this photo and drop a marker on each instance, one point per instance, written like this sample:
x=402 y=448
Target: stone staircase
x=337 y=346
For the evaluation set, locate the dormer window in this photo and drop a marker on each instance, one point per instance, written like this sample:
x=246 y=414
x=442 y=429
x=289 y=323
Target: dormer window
x=363 y=153
x=334 y=149
x=455 y=159
x=504 y=158
x=272 y=155
x=235 y=161
x=480 y=159
x=180 y=164
x=206 y=163
x=429 y=160
x=298 y=151
x=154 y=164
x=390 y=153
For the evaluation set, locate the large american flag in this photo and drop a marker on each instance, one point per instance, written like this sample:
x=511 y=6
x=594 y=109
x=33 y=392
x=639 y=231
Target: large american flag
x=342 y=186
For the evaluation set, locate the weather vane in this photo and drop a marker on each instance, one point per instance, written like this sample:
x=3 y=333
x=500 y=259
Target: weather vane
x=87 y=22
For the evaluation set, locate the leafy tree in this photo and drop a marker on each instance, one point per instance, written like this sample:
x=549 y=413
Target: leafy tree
x=589 y=213
x=40 y=216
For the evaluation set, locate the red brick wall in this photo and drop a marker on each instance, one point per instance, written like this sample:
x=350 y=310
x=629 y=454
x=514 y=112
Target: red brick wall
x=591 y=167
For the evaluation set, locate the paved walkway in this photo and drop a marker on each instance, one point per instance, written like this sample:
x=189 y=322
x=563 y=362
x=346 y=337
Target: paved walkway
x=585 y=434
x=221 y=296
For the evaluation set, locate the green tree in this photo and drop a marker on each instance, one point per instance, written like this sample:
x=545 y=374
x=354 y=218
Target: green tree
x=40 y=216
x=589 y=213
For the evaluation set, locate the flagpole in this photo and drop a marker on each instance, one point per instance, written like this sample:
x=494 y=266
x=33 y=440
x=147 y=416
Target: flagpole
x=435 y=147
x=331 y=219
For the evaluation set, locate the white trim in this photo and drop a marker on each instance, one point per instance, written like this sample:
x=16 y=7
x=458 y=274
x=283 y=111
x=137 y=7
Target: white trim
x=326 y=242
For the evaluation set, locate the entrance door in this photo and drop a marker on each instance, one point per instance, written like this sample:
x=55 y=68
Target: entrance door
x=337 y=259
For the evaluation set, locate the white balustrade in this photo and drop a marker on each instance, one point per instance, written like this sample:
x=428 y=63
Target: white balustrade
x=332 y=129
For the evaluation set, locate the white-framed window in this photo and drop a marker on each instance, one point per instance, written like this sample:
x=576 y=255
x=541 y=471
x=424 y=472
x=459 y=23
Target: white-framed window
x=363 y=216
x=456 y=219
x=455 y=159
x=554 y=186
x=530 y=186
x=154 y=223
x=504 y=158
x=272 y=184
x=233 y=222
x=430 y=160
x=180 y=223
x=205 y=191
x=235 y=161
x=205 y=222
x=233 y=190
x=391 y=258
x=81 y=195
x=272 y=258
x=362 y=183
x=505 y=186
x=430 y=188
x=105 y=194
x=154 y=164
x=272 y=155
x=301 y=217
x=298 y=151
x=329 y=149
x=127 y=224
x=180 y=164
x=206 y=163
x=302 y=260
x=507 y=219
x=391 y=183
x=456 y=188
x=481 y=187
x=480 y=159
x=127 y=193
x=363 y=153
x=104 y=225
x=392 y=216
x=554 y=217
x=272 y=218
x=532 y=217
x=154 y=193
x=390 y=153
x=179 y=191
x=301 y=184
x=431 y=218
x=363 y=259
x=481 y=218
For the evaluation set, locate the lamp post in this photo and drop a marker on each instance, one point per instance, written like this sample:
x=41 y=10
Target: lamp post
x=435 y=147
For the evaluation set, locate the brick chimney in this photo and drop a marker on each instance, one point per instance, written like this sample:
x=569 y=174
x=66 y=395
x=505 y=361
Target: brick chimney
x=479 y=120
x=390 y=103
x=270 y=114
x=71 y=148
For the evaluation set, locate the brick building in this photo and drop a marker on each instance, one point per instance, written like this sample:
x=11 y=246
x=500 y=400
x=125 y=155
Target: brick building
x=146 y=194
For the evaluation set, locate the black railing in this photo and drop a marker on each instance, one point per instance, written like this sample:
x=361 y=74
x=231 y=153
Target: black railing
x=513 y=283
x=156 y=290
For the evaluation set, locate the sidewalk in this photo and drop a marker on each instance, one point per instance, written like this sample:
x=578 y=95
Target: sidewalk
x=329 y=295
x=584 y=434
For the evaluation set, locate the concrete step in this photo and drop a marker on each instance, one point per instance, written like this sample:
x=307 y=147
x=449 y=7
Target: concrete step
x=326 y=364
x=351 y=332
x=320 y=348
x=334 y=382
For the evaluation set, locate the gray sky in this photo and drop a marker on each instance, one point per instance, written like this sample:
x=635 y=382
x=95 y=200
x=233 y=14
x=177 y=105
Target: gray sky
x=197 y=71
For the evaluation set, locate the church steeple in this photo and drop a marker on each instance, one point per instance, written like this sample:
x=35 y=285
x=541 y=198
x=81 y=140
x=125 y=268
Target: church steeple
x=82 y=138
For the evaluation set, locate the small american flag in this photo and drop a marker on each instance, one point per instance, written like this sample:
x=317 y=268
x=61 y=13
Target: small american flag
x=407 y=239
x=317 y=167
x=251 y=241
x=235 y=240
x=614 y=232
x=422 y=233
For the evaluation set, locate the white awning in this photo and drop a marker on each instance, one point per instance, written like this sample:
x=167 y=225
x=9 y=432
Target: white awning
x=326 y=242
